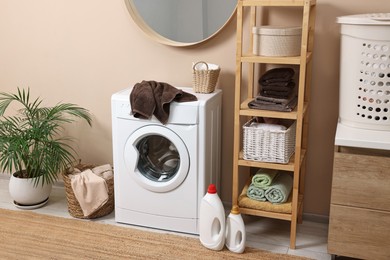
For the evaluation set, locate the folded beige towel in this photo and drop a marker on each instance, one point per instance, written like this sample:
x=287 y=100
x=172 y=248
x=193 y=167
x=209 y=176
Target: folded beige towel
x=90 y=190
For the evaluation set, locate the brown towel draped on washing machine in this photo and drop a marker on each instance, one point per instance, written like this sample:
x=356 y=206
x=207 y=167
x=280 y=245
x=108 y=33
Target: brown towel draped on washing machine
x=153 y=98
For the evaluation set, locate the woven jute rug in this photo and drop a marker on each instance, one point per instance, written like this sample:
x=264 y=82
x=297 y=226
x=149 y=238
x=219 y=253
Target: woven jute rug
x=28 y=235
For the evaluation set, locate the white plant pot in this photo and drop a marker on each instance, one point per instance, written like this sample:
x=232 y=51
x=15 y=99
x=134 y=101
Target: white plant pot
x=27 y=195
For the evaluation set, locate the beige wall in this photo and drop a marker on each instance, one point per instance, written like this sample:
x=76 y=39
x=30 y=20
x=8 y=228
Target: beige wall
x=83 y=51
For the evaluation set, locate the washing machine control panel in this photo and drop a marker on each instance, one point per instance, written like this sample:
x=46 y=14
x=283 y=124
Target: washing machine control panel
x=123 y=110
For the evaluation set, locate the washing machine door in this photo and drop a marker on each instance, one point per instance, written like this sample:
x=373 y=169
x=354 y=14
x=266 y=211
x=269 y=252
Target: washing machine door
x=157 y=158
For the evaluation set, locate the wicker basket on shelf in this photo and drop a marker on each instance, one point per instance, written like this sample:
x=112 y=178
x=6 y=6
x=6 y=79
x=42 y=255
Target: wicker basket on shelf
x=204 y=77
x=74 y=208
x=268 y=145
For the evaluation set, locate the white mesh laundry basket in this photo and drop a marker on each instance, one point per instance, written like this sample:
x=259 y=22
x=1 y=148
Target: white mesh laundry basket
x=365 y=71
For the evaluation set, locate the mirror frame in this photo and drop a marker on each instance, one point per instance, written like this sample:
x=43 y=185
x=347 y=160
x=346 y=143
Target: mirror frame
x=161 y=39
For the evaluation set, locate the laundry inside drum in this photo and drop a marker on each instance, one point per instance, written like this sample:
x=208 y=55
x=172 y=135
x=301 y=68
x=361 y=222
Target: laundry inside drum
x=159 y=159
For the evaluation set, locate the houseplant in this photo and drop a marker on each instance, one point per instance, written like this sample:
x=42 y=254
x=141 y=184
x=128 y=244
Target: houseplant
x=31 y=145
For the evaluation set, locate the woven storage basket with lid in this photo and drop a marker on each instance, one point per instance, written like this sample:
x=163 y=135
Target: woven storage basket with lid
x=74 y=208
x=205 y=77
x=277 y=41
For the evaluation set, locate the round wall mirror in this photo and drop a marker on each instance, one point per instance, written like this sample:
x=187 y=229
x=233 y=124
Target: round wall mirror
x=181 y=22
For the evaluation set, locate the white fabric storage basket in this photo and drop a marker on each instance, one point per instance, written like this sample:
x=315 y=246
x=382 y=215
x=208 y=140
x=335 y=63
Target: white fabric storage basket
x=268 y=145
x=276 y=41
x=365 y=71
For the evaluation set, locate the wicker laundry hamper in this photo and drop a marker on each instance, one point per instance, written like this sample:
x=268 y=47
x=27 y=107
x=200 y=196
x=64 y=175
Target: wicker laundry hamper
x=74 y=208
x=205 y=77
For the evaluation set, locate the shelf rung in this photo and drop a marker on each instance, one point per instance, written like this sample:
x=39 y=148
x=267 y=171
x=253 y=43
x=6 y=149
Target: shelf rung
x=284 y=167
x=272 y=60
x=246 y=111
x=278 y=166
x=291 y=3
x=265 y=113
x=296 y=60
x=268 y=214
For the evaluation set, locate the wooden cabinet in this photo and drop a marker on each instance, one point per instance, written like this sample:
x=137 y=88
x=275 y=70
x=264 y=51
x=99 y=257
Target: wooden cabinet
x=359 y=221
x=246 y=89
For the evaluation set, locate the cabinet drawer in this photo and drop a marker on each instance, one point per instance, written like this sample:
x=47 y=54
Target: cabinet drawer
x=361 y=181
x=359 y=233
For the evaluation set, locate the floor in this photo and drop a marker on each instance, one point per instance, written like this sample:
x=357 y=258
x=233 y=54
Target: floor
x=262 y=233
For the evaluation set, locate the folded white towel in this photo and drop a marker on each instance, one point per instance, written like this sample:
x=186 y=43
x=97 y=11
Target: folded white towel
x=104 y=171
x=202 y=66
x=268 y=127
x=90 y=190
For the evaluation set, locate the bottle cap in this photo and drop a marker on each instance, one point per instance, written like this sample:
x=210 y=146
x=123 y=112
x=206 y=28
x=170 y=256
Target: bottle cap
x=212 y=189
x=235 y=210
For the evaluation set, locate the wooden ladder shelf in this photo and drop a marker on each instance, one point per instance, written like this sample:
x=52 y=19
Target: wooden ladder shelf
x=243 y=113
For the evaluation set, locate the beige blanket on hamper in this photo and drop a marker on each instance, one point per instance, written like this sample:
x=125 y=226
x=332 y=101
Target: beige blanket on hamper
x=90 y=188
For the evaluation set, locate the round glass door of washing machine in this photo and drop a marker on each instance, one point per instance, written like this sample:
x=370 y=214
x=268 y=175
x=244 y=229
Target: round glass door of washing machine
x=157 y=158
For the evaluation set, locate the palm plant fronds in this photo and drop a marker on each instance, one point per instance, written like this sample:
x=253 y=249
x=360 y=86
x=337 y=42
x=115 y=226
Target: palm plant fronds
x=29 y=140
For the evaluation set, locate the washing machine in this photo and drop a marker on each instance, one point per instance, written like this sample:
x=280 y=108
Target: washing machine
x=163 y=171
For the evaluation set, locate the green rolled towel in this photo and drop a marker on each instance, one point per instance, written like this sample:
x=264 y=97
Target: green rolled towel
x=279 y=191
x=256 y=193
x=264 y=178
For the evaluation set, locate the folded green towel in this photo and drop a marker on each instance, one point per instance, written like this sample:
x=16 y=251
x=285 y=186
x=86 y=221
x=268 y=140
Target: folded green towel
x=279 y=191
x=256 y=193
x=264 y=178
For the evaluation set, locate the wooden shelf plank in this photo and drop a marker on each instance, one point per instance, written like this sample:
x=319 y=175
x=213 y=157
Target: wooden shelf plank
x=268 y=113
x=277 y=2
x=284 y=167
x=271 y=60
x=246 y=111
x=252 y=58
x=266 y=165
x=268 y=214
